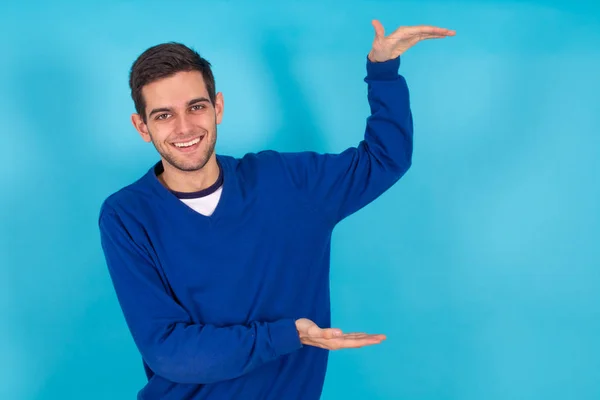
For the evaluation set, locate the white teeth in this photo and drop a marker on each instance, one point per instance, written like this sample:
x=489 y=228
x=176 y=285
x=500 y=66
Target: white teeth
x=187 y=144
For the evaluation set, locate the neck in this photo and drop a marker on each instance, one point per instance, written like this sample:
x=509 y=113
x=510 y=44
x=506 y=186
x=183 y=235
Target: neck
x=190 y=181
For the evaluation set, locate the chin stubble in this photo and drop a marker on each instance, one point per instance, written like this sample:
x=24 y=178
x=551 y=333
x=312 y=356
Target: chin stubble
x=172 y=160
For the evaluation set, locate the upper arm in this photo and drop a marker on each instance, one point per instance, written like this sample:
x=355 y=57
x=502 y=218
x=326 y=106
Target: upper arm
x=144 y=296
x=339 y=184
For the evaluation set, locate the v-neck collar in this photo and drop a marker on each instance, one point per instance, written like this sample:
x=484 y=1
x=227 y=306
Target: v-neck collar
x=203 y=192
x=229 y=187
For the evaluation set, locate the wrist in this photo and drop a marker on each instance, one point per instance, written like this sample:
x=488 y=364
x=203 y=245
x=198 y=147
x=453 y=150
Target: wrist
x=284 y=337
x=383 y=70
x=371 y=56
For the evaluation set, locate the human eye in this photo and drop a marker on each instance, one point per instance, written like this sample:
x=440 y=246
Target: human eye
x=197 y=107
x=160 y=117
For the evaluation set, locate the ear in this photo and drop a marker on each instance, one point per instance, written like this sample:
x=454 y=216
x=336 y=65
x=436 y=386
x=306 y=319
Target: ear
x=219 y=106
x=141 y=127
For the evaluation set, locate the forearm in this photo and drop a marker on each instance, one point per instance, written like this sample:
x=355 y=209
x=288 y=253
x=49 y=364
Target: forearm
x=194 y=353
x=388 y=143
x=169 y=340
x=385 y=153
x=340 y=184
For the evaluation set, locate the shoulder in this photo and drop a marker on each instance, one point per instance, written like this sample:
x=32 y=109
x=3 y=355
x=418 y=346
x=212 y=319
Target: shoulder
x=280 y=174
x=274 y=163
x=129 y=199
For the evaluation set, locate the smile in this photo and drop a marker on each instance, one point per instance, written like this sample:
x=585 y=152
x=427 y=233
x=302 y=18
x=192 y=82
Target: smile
x=188 y=144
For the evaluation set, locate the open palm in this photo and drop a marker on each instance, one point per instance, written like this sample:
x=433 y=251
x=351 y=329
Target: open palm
x=333 y=339
x=389 y=47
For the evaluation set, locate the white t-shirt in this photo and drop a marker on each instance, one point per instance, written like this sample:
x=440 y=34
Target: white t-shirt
x=205 y=205
x=204 y=201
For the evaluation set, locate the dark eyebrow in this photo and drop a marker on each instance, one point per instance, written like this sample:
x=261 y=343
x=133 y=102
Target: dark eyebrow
x=156 y=110
x=198 y=100
x=166 y=109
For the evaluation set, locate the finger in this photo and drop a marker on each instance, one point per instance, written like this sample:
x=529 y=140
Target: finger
x=422 y=30
x=425 y=37
x=317 y=343
x=303 y=325
x=364 y=336
x=337 y=344
x=347 y=341
x=379 y=31
x=327 y=333
x=429 y=29
x=350 y=343
x=359 y=335
x=433 y=30
x=331 y=333
x=314 y=332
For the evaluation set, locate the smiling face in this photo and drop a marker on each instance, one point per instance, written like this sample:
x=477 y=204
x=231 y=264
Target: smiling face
x=180 y=120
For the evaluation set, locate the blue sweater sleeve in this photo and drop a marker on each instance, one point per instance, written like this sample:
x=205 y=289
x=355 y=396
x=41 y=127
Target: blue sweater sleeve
x=341 y=184
x=172 y=345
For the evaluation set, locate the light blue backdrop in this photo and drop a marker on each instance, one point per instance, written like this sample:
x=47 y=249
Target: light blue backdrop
x=482 y=265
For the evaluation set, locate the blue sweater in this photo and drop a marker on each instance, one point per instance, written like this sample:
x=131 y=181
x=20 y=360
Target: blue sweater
x=211 y=301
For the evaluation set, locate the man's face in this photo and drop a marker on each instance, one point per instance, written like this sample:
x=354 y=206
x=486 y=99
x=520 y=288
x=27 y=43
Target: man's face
x=181 y=122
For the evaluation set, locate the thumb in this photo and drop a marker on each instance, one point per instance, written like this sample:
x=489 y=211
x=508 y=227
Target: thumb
x=314 y=331
x=307 y=327
x=379 y=31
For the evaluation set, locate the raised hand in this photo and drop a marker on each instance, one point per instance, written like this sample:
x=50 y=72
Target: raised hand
x=331 y=338
x=389 y=47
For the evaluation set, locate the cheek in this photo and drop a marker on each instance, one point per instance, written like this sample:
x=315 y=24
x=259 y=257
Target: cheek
x=205 y=120
x=160 y=134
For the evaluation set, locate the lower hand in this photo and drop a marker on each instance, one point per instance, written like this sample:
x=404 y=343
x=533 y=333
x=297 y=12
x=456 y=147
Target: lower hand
x=331 y=338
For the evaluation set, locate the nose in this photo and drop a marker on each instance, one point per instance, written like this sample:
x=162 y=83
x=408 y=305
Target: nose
x=184 y=125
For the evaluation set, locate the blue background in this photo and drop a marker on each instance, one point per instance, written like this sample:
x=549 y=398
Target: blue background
x=481 y=265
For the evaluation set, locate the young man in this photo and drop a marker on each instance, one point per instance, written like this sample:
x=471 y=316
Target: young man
x=221 y=264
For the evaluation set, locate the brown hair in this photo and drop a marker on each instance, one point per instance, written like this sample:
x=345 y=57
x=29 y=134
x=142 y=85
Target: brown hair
x=164 y=60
